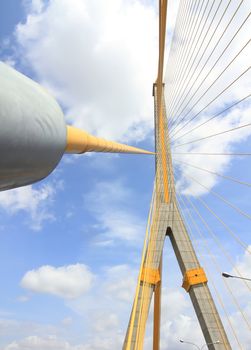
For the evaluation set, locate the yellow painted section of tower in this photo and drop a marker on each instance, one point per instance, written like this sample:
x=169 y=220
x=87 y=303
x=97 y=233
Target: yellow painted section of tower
x=132 y=320
x=163 y=153
x=146 y=286
x=149 y=275
x=159 y=85
x=193 y=277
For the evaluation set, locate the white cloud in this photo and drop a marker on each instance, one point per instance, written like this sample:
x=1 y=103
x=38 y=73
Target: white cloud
x=67 y=321
x=23 y=298
x=13 y=329
x=106 y=311
x=242 y=268
x=35 y=202
x=109 y=317
x=116 y=286
x=42 y=343
x=242 y=329
x=244 y=263
x=121 y=288
x=108 y=202
x=106 y=322
x=52 y=342
x=98 y=58
x=68 y=282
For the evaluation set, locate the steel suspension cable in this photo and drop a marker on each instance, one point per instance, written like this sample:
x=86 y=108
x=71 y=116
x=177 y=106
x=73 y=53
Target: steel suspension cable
x=215 y=194
x=215 y=98
x=186 y=30
x=212 y=84
x=202 y=42
x=217 y=60
x=178 y=32
x=189 y=35
x=221 y=247
x=189 y=51
x=217 y=174
x=193 y=56
x=213 y=117
x=213 y=135
x=212 y=154
x=228 y=229
x=215 y=46
x=207 y=45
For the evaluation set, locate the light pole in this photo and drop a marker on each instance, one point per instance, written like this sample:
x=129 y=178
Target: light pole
x=227 y=275
x=187 y=342
x=197 y=347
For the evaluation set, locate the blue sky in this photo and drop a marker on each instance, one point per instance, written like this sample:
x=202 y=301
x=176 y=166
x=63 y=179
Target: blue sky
x=86 y=221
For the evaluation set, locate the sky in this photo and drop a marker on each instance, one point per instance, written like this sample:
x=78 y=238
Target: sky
x=70 y=245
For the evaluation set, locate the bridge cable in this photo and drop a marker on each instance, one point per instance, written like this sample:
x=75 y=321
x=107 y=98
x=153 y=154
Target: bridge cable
x=178 y=32
x=207 y=45
x=212 y=154
x=199 y=99
x=181 y=66
x=217 y=60
x=204 y=79
x=215 y=194
x=185 y=47
x=215 y=98
x=228 y=229
x=184 y=78
x=213 y=117
x=217 y=174
x=213 y=135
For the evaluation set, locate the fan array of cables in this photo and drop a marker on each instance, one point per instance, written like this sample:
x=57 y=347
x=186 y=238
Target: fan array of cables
x=208 y=106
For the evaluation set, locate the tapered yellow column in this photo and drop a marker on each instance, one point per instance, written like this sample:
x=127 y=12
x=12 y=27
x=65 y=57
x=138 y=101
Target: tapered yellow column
x=80 y=141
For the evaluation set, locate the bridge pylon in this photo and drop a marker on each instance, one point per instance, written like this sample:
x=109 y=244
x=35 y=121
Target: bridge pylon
x=165 y=219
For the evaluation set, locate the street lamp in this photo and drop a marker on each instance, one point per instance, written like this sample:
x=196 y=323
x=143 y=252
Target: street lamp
x=227 y=275
x=187 y=342
x=197 y=347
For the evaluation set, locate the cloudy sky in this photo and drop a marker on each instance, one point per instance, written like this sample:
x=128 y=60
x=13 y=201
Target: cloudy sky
x=70 y=245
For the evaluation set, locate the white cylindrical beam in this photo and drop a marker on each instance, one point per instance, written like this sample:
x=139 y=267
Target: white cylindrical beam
x=32 y=130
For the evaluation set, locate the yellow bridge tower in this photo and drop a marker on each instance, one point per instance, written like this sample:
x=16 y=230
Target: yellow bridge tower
x=165 y=220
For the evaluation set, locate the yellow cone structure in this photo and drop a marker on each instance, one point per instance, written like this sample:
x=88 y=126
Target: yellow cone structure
x=80 y=141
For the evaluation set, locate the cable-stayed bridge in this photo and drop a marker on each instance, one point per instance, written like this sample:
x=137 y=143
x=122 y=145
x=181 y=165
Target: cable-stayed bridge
x=202 y=120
